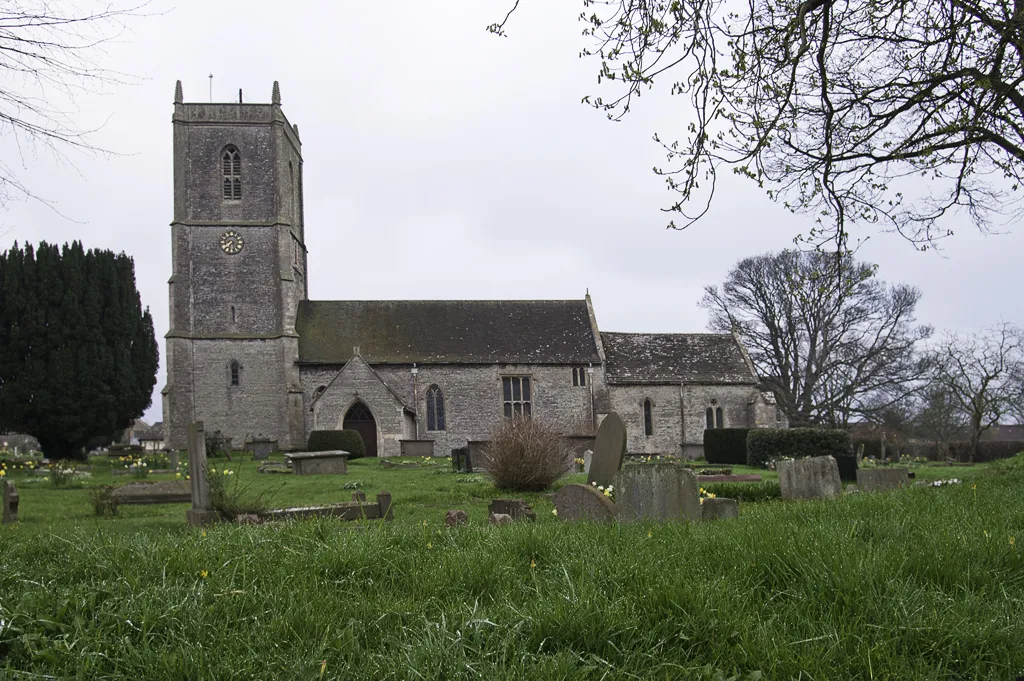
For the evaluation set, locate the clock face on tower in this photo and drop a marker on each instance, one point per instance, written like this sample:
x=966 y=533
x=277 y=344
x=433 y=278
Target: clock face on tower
x=231 y=242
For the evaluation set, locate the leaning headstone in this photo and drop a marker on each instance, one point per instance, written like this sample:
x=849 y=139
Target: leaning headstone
x=588 y=458
x=609 y=447
x=583 y=502
x=174 y=459
x=10 y=514
x=501 y=519
x=202 y=512
x=262 y=448
x=815 y=477
x=517 y=508
x=661 y=491
x=719 y=509
x=882 y=479
x=455 y=518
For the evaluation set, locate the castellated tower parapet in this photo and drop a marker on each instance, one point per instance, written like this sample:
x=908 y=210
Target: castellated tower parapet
x=238 y=273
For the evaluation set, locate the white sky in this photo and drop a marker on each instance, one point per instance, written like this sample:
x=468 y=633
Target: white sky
x=444 y=162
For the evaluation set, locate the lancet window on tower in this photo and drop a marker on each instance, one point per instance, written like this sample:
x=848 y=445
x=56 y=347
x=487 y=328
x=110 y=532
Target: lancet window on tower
x=231 y=167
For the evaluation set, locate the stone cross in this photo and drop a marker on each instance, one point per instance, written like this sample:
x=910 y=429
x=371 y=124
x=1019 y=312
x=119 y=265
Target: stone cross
x=10 y=514
x=202 y=512
x=609 y=447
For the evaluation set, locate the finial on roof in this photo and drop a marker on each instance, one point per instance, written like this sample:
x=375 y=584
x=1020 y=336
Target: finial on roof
x=178 y=96
x=275 y=96
x=295 y=127
x=355 y=350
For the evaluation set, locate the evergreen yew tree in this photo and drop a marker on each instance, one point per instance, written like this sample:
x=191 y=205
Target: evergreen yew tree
x=78 y=355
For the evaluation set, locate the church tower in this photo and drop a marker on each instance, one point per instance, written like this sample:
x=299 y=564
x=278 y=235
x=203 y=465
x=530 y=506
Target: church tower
x=238 y=273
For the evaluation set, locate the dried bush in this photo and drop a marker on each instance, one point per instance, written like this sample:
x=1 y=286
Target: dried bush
x=526 y=455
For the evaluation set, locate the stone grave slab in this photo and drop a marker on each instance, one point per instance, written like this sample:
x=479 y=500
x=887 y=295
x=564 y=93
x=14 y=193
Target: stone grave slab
x=719 y=509
x=583 y=502
x=609 y=448
x=815 y=477
x=882 y=479
x=319 y=463
x=517 y=508
x=501 y=519
x=144 y=493
x=662 y=491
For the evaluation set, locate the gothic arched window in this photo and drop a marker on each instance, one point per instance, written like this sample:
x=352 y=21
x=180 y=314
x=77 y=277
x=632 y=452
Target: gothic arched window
x=231 y=168
x=435 y=408
x=648 y=419
x=235 y=370
x=709 y=418
x=719 y=423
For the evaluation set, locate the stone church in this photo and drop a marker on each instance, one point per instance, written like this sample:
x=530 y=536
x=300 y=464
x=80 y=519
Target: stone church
x=251 y=356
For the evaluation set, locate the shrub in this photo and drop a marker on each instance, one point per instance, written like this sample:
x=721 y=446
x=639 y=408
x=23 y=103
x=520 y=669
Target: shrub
x=987 y=450
x=765 y=445
x=526 y=455
x=102 y=500
x=333 y=440
x=229 y=498
x=726 y=445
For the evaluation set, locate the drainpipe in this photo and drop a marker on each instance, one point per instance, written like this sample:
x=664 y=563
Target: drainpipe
x=415 y=402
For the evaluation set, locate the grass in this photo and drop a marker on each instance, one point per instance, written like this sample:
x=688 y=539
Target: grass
x=921 y=583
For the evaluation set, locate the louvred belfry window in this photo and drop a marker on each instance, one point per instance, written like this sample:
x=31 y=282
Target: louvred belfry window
x=231 y=167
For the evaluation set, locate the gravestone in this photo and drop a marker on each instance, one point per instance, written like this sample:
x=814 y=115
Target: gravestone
x=517 y=508
x=261 y=449
x=583 y=502
x=609 y=447
x=202 y=512
x=318 y=463
x=501 y=519
x=174 y=459
x=455 y=518
x=163 y=492
x=815 y=477
x=359 y=496
x=882 y=479
x=661 y=491
x=718 y=509
x=588 y=458
x=10 y=511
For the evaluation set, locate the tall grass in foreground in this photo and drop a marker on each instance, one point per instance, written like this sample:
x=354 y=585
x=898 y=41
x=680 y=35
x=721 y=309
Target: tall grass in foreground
x=919 y=584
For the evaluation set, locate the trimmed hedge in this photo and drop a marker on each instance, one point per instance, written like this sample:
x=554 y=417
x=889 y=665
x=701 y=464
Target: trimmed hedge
x=726 y=445
x=847 y=468
x=332 y=440
x=987 y=450
x=769 y=444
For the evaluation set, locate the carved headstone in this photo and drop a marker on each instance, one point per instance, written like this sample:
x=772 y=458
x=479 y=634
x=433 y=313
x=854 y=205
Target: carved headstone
x=359 y=496
x=717 y=509
x=816 y=477
x=609 y=448
x=202 y=512
x=662 y=491
x=588 y=458
x=10 y=511
x=583 y=502
x=882 y=479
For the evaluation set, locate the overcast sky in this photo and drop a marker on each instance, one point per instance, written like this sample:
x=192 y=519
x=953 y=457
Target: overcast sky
x=444 y=162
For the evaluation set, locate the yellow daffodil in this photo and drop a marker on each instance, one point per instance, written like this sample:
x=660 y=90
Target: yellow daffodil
x=430 y=546
x=178 y=474
x=203 y=533
x=533 y=563
x=1012 y=541
x=2 y=473
x=649 y=534
x=203 y=574
x=554 y=511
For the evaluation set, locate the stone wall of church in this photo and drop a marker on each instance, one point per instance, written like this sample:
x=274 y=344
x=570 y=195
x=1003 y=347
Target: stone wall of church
x=735 y=401
x=257 y=407
x=666 y=411
x=472 y=398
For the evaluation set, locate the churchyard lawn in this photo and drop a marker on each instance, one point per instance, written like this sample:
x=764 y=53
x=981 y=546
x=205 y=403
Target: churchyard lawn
x=920 y=583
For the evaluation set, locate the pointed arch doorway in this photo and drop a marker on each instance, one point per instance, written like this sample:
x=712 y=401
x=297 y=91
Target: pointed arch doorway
x=360 y=419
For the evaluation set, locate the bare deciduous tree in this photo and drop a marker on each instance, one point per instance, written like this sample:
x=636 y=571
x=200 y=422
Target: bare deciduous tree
x=48 y=57
x=836 y=109
x=980 y=373
x=828 y=338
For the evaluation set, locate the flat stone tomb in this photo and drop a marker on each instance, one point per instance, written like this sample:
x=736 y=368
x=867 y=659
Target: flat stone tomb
x=882 y=479
x=144 y=493
x=816 y=477
x=319 y=463
x=609 y=448
x=663 y=491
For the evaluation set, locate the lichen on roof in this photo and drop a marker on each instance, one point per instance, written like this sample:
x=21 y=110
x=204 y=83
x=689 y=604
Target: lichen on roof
x=674 y=358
